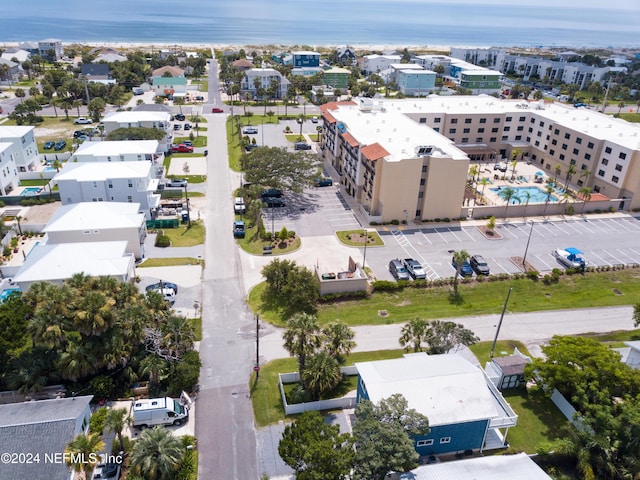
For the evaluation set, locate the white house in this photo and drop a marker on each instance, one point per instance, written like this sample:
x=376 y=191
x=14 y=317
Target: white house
x=130 y=182
x=122 y=151
x=8 y=169
x=44 y=427
x=17 y=53
x=141 y=118
x=26 y=148
x=99 y=222
x=58 y=262
x=265 y=77
x=377 y=63
x=631 y=354
x=170 y=87
x=51 y=49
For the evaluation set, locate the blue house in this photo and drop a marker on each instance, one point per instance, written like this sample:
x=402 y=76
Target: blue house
x=416 y=82
x=466 y=411
x=302 y=59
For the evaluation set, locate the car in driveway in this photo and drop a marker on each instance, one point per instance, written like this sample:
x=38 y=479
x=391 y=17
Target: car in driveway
x=251 y=146
x=187 y=126
x=177 y=182
x=182 y=148
x=160 y=285
x=180 y=117
x=414 y=268
x=82 y=121
x=397 y=269
x=249 y=130
x=49 y=145
x=465 y=268
x=301 y=146
x=107 y=471
x=274 y=201
x=479 y=265
x=177 y=126
x=314 y=119
x=60 y=145
x=217 y=110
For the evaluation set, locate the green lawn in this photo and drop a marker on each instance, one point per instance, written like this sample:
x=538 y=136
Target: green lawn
x=630 y=117
x=186 y=237
x=200 y=141
x=355 y=238
x=588 y=290
x=251 y=243
x=169 y=262
x=33 y=183
x=265 y=394
x=482 y=350
x=294 y=137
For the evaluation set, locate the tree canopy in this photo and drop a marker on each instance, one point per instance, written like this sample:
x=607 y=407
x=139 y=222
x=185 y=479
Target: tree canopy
x=135 y=133
x=278 y=168
x=438 y=336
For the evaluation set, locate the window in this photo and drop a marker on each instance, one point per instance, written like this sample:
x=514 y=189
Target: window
x=601 y=173
x=129 y=199
x=110 y=183
x=537 y=143
x=467 y=120
x=530 y=130
x=567 y=136
x=478 y=139
x=452 y=131
x=436 y=129
x=483 y=120
x=618 y=167
x=424 y=169
x=95 y=184
x=420 y=194
x=539 y=134
x=552 y=152
x=496 y=120
x=506 y=129
x=494 y=130
x=590 y=145
x=454 y=120
x=466 y=130
x=607 y=150
x=422 y=181
x=505 y=138
x=572 y=161
x=493 y=139
x=541 y=124
x=465 y=140
x=520 y=128
x=445 y=440
x=580 y=183
x=424 y=443
x=435 y=120
x=579 y=141
x=518 y=137
x=418 y=213
x=622 y=156
x=521 y=119
x=130 y=183
x=596 y=189
x=554 y=142
x=576 y=152
x=583 y=167
x=587 y=156
x=605 y=161
x=424 y=120
x=533 y=120
x=614 y=179
x=508 y=119
x=564 y=146
x=562 y=156
x=481 y=130
x=556 y=132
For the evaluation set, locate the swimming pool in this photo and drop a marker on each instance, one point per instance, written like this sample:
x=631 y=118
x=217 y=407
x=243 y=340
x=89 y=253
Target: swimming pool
x=6 y=292
x=30 y=191
x=537 y=195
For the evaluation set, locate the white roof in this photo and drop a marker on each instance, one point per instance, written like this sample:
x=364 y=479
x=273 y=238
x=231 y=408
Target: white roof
x=21 y=55
x=481 y=71
x=446 y=388
x=14 y=131
x=61 y=261
x=304 y=52
x=406 y=66
x=417 y=71
x=5 y=146
x=95 y=215
x=120 y=147
x=136 y=116
x=101 y=171
x=494 y=467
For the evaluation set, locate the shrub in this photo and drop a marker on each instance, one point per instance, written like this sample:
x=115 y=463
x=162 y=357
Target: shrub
x=98 y=419
x=394 y=222
x=533 y=275
x=446 y=219
x=386 y=286
x=334 y=297
x=373 y=224
x=292 y=234
x=184 y=374
x=162 y=241
x=6 y=251
x=102 y=386
x=436 y=219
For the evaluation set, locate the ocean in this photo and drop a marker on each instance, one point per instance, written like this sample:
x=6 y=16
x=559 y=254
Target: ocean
x=567 y=23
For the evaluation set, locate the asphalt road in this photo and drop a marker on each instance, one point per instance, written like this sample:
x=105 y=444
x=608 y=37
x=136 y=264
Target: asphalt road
x=224 y=418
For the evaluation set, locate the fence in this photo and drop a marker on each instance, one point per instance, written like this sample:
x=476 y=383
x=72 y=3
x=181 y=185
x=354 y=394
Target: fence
x=332 y=404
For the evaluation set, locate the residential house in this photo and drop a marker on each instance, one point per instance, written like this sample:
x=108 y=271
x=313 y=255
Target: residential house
x=390 y=74
x=433 y=62
x=418 y=83
x=306 y=71
x=108 y=55
x=242 y=65
x=8 y=169
x=481 y=81
x=377 y=63
x=465 y=410
x=508 y=371
x=13 y=71
x=130 y=182
x=60 y=261
x=337 y=78
x=97 y=72
x=346 y=56
x=31 y=47
x=170 y=87
x=51 y=49
x=168 y=70
x=43 y=428
x=302 y=59
x=322 y=94
x=122 y=151
x=25 y=146
x=99 y=222
x=158 y=119
x=631 y=354
x=492 y=467
x=264 y=77
x=15 y=53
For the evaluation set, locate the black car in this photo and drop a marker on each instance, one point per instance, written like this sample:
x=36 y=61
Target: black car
x=301 y=146
x=323 y=182
x=274 y=201
x=107 y=471
x=180 y=117
x=78 y=133
x=271 y=192
x=60 y=144
x=187 y=126
x=479 y=265
x=49 y=145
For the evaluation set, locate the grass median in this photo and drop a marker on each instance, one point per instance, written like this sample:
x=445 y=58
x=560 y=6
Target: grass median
x=170 y=262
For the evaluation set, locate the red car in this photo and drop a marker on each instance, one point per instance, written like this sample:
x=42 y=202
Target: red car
x=217 y=110
x=182 y=148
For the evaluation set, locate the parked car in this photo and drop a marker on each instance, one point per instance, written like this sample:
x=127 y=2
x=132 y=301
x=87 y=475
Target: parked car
x=249 y=130
x=107 y=471
x=187 y=126
x=199 y=98
x=323 y=182
x=415 y=269
x=238 y=229
x=301 y=146
x=182 y=148
x=570 y=257
x=274 y=201
x=177 y=126
x=500 y=166
x=479 y=265
x=217 y=110
x=49 y=145
x=251 y=146
x=314 y=119
x=188 y=143
x=180 y=117
x=239 y=206
x=271 y=192
x=137 y=91
x=465 y=268
x=82 y=121
x=579 y=104
x=161 y=284
x=60 y=144
x=78 y=133
x=398 y=271
x=177 y=182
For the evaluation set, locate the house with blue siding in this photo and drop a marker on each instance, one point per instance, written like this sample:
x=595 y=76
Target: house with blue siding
x=302 y=59
x=419 y=83
x=466 y=411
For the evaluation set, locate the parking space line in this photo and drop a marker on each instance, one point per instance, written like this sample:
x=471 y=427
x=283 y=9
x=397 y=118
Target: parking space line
x=621 y=224
x=457 y=238
x=636 y=252
x=548 y=229
x=468 y=234
x=507 y=228
x=441 y=236
x=539 y=257
x=557 y=225
x=406 y=245
x=612 y=255
x=500 y=265
x=570 y=225
x=596 y=255
x=424 y=235
x=594 y=223
x=626 y=255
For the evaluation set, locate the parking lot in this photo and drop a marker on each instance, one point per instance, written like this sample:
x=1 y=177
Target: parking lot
x=605 y=242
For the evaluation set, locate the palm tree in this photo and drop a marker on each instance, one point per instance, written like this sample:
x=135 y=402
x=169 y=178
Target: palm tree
x=179 y=101
x=337 y=340
x=557 y=169
x=585 y=193
x=515 y=153
x=117 y=419
x=459 y=257
x=321 y=374
x=156 y=454
x=527 y=197
x=152 y=366
x=77 y=104
x=413 y=334
x=78 y=360
x=548 y=190
x=584 y=173
x=473 y=171
x=570 y=172
x=507 y=194
x=82 y=453
x=20 y=93
x=302 y=337
x=484 y=181
x=620 y=107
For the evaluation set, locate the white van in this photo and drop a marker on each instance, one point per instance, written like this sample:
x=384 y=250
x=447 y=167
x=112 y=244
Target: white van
x=159 y=411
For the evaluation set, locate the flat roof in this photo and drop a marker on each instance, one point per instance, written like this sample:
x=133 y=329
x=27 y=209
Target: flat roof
x=494 y=467
x=5 y=146
x=100 y=171
x=446 y=388
x=95 y=215
x=305 y=52
x=119 y=147
x=14 y=131
x=135 y=116
x=61 y=261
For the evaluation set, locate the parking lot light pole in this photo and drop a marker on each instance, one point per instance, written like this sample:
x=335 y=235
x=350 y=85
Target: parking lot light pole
x=524 y=258
x=504 y=308
x=364 y=256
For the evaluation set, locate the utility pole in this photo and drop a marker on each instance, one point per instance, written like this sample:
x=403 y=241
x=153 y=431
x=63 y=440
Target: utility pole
x=606 y=94
x=256 y=367
x=504 y=308
x=526 y=249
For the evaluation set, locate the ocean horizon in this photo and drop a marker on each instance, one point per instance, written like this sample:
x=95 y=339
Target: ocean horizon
x=543 y=23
